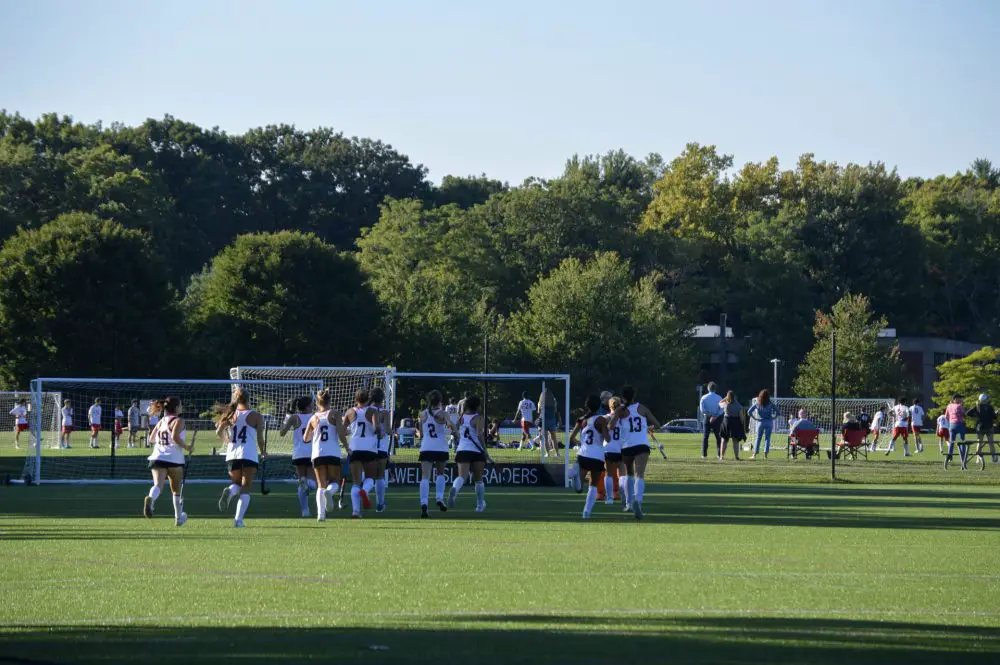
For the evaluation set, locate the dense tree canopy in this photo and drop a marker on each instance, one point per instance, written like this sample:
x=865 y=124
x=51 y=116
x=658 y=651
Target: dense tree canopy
x=968 y=377
x=433 y=270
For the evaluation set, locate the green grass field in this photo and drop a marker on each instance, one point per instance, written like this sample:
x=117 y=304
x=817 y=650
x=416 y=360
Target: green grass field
x=717 y=573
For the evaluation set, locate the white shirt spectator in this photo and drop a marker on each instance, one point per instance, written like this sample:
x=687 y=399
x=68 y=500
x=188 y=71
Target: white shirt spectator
x=709 y=404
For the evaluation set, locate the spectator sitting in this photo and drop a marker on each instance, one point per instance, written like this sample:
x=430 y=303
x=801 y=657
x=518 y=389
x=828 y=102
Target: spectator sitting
x=406 y=433
x=493 y=435
x=804 y=424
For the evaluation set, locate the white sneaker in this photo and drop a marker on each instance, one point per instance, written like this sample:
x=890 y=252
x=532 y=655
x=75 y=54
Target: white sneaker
x=329 y=501
x=319 y=518
x=181 y=520
x=481 y=507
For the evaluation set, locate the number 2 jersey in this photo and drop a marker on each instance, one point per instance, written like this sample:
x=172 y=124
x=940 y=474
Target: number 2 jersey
x=591 y=441
x=242 y=438
x=434 y=435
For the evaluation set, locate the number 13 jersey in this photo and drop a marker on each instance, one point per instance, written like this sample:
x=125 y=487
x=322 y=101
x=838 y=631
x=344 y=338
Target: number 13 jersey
x=242 y=438
x=635 y=429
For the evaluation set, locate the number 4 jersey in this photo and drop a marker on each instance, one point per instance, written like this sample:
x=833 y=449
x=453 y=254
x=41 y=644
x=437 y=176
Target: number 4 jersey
x=242 y=439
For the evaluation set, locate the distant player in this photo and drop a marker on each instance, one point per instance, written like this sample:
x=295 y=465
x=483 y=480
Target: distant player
x=434 y=429
x=614 y=476
x=917 y=415
x=592 y=430
x=900 y=427
x=471 y=455
x=239 y=427
x=117 y=432
x=166 y=461
x=362 y=425
x=876 y=428
x=942 y=432
x=298 y=412
x=636 y=422
x=382 y=449
x=134 y=422
x=94 y=419
x=451 y=410
x=325 y=431
x=20 y=414
x=152 y=420
x=67 y=424
x=526 y=412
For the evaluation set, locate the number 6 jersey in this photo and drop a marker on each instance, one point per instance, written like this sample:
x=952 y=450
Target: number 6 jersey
x=242 y=438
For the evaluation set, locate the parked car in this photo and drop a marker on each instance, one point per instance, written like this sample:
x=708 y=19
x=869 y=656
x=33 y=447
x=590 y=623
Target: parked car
x=682 y=426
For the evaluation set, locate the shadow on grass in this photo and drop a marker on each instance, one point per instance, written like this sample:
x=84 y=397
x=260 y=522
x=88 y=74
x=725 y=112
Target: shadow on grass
x=729 y=504
x=518 y=639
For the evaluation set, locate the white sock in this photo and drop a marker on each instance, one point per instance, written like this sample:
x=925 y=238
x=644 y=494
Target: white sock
x=480 y=491
x=626 y=489
x=321 y=499
x=380 y=491
x=425 y=490
x=303 y=497
x=609 y=486
x=439 y=486
x=154 y=493
x=241 y=506
x=591 y=500
x=367 y=485
x=234 y=489
x=457 y=484
x=640 y=489
x=355 y=499
x=178 y=509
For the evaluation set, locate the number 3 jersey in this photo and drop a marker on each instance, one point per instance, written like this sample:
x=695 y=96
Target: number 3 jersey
x=242 y=439
x=591 y=441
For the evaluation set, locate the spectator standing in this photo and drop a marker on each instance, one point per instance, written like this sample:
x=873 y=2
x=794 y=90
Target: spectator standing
x=732 y=425
x=986 y=417
x=763 y=412
x=711 y=417
x=956 y=429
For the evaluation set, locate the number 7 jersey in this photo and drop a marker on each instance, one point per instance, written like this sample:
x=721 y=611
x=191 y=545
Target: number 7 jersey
x=242 y=438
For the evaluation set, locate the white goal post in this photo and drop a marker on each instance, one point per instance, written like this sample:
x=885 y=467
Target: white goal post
x=114 y=451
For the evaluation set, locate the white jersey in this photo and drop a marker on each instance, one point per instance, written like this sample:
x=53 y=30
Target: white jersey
x=469 y=437
x=591 y=441
x=614 y=442
x=164 y=448
x=242 y=438
x=324 y=439
x=942 y=422
x=527 y=409
x=362 y=434
x=67 y=416
x=877 y=420
x=20 y=414
x=301 y=449
x=383 y=441
x=636 y=429
x=434 y=435
x=917 y=415
x=452 y=411
x=902 y=414
x=94 y=415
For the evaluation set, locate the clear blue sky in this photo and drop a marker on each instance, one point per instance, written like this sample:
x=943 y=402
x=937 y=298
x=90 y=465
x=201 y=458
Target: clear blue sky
x=514 y=88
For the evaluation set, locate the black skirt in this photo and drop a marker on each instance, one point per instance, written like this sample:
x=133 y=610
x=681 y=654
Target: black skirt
x=732 y=429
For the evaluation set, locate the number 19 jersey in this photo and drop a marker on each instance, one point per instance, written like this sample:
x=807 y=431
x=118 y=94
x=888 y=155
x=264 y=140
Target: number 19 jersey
x=242 y=438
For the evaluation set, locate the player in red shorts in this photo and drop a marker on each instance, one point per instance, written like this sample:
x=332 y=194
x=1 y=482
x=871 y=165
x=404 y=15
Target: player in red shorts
x=20 y=413
x=94 y=419
x=116 y=437
x=900 y=427
x=526 y=412
x=67 y=424
x=917 y=415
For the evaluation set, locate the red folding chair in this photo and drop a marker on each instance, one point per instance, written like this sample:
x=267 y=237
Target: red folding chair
x=852 y=442
x=804 y=441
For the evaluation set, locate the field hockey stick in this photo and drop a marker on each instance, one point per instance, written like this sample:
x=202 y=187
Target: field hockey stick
x=659 y=445
x=263 y=463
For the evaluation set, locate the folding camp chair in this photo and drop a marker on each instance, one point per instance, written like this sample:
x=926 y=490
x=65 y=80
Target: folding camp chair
x=803 y=441
x=852 y=442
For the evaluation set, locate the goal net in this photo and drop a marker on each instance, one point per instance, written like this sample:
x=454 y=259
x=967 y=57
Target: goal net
x=539 y=456
x=343 y=383
x=820 y=411
x=116 y=450
x=19 y=405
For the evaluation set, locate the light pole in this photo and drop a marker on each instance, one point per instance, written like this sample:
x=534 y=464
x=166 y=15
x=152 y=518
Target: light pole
x=775 y=362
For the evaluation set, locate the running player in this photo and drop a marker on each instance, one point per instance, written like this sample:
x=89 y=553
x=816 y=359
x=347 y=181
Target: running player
x=325 y=431
x=471 y=454
x=94 y=419
x=593 y=430
x=451 y=410
x=876 y=428
x=636 y=421
x=239 y=427
x=614 y=477
x=433 y=451
x=526 y=412
x=382 y=449
x=362 y=446
x=917 y=415
x=117 y=435
x=166 y=461
x=900 y=427
x=942 y=432
x=134 y=422
x=299 y=411
x=67 y=424
x=20 y=414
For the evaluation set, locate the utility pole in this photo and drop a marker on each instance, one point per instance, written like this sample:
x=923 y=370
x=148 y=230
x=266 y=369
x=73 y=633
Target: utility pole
x=775 y=362
x=724 y=352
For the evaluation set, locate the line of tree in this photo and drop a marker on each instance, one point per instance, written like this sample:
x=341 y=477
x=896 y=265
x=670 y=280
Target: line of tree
x=171 y=248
